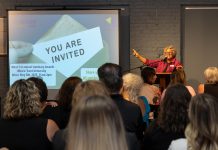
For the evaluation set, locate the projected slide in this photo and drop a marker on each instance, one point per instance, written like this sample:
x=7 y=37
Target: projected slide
x=55 y=45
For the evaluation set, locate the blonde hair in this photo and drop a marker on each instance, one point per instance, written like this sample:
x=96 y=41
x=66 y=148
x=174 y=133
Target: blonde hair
x=211 y=75
x=132 y=84
x=202 y=131
x=22 y=101
x=89 y=88
x=96 y=124
x=171 y=48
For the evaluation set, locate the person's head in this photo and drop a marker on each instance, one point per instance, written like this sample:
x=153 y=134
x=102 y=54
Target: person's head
x=22 y=100
x=173 y=115
x=149 y=75
x=89 y=88
x=178 y=76
x=41 y=85
x=132 y=84
x=170 y=52
x=202 y=131
x=211 y=75
x=96 y=124
x=66 y=91
x=111 y=75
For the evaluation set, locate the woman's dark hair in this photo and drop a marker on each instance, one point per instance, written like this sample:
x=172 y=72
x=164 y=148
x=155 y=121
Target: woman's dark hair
x=147 y=73
x=111 y=75
x=173 y=115
x=66 y=91
x=41 y=85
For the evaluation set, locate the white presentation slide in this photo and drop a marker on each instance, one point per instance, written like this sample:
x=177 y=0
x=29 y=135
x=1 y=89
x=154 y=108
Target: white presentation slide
x=54 y=45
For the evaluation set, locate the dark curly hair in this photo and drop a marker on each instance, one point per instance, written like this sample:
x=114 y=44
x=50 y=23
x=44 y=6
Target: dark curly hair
x=173 y=116
x=22 y=101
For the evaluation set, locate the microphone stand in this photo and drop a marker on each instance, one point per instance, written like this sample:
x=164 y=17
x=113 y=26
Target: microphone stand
x=142 y=66
x=139 y=67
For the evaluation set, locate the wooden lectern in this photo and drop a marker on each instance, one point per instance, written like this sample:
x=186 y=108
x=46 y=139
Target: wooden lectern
x=163 y=79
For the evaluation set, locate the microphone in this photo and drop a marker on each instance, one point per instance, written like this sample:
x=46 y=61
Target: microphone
x=162 y=57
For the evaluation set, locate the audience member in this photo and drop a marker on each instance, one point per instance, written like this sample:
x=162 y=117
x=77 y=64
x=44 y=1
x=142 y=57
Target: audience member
x=111 y=75
x=61 y=112
x=132 y=85
x=150 y=91
x=89 y=88
x=171 y=121
x=211 y=85
x=84 y=90
x=21 y=128
x=202 y=131
x=96 y=124
x=179 y=76
x=64 y=98
x=43 y=92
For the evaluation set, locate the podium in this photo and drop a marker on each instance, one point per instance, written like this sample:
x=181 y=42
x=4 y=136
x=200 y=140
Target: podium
x=163 y=79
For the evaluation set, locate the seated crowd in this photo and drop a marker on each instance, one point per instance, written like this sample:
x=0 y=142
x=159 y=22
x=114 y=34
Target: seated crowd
x=115 y=112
